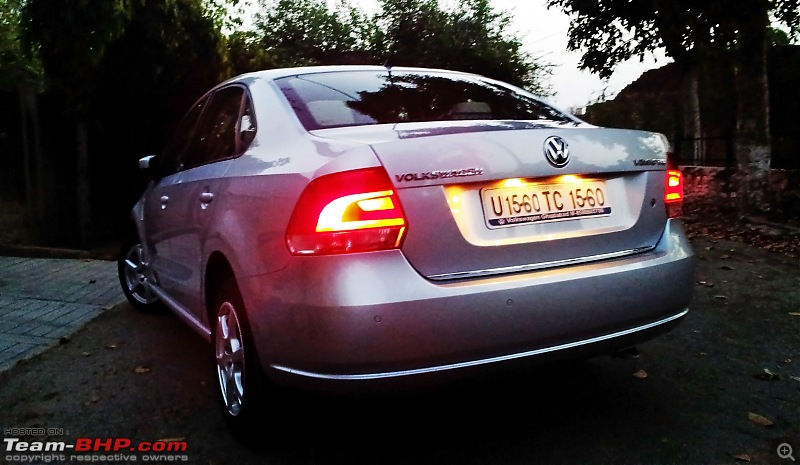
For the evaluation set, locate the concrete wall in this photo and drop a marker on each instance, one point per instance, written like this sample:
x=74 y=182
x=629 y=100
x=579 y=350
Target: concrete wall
x=713 y=189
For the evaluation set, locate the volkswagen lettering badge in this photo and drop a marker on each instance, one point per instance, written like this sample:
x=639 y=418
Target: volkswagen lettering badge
x=556 y=151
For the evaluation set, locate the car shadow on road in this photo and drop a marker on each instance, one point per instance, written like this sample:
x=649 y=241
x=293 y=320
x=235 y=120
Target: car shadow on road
x=548 y=410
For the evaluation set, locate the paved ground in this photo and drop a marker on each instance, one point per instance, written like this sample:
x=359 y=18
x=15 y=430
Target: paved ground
x=43 y=300
x=723 y=388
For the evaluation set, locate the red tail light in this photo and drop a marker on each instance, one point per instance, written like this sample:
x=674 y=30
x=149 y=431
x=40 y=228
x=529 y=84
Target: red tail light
x=352 y=211
x=673 y=193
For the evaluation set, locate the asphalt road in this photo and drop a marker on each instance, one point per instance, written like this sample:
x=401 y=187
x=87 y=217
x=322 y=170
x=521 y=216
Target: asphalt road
x=688 y=398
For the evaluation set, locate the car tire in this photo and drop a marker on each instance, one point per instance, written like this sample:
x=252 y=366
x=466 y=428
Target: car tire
x=133 y=276
x=241 y=385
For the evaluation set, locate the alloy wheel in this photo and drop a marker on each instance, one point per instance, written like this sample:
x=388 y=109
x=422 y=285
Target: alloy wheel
x=135 y=276
x=230 y=356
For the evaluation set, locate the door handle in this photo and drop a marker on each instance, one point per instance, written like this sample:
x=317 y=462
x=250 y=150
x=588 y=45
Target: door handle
x=164 y=200
x=205 y=199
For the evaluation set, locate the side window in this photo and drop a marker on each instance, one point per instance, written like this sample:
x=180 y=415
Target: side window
x=170 y=161
x=216 y=135
x=247 y=125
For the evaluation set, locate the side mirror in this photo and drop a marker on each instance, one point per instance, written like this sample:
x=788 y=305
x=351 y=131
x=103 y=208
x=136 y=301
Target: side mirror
x=148 y=165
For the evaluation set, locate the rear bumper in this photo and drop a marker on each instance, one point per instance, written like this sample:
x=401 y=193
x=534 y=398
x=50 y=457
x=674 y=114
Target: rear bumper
x=370 y=320
x=432 y=375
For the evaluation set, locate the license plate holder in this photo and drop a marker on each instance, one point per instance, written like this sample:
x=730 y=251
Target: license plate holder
x=532 y=202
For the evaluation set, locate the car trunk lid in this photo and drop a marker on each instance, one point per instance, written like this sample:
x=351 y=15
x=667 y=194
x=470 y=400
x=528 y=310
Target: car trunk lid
x=482 y=198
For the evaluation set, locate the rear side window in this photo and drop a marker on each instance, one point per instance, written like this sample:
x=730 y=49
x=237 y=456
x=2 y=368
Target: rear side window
x=353 y=98
x=221 y=125
x=215 y=137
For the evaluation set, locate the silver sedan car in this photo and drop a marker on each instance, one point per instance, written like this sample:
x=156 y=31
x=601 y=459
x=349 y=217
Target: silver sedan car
x=350 y=228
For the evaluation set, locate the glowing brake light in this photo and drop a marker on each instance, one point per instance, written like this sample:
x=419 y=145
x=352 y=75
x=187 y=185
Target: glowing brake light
x=673 y=192
x=348 y=212
x=674 y=186
x=335 y=216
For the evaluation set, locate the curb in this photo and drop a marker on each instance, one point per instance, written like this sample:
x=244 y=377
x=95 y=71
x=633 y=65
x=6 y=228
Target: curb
x=10 y=250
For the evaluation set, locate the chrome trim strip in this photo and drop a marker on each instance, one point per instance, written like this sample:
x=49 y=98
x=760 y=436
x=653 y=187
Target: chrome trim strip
x=181 y=312
x=486 y=361
x=539 y=266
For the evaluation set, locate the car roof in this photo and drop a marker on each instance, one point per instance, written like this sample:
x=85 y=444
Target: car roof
x=278 y=73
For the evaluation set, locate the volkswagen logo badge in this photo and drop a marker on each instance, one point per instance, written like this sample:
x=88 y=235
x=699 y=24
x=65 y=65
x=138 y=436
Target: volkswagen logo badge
x=556 y=151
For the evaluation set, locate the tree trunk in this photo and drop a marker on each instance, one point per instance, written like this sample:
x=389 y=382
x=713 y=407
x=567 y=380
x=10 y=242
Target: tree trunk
x=33 y=162
x=692 y=122
x=84 y=184
x=752 y=145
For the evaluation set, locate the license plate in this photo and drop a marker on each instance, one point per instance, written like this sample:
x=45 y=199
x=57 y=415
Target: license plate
x=538 y=203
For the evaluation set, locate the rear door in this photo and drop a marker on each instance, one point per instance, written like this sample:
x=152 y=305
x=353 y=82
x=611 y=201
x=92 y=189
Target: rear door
x=195 y=196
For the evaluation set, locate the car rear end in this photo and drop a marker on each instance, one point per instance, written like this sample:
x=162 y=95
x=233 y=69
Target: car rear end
x=475 y=244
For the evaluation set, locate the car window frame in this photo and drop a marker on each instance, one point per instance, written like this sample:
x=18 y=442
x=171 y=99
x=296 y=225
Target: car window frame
x=197 y=152
x=299 y=104
x=247 y=101
x=177 y=165
x=241 y=147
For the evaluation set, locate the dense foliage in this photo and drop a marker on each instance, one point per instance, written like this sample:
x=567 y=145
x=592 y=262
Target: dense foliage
x=100 y=84
x=733 y=33
x=158 y=47
x=612 y=31
x=17 y=65
x=402 y=33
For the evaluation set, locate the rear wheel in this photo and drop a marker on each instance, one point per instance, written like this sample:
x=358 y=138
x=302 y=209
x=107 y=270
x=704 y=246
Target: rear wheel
x=238 y=370
x=133 y=277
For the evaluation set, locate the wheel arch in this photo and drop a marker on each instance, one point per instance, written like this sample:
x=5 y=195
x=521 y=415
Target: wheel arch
x=221 y=278
x=218 y=271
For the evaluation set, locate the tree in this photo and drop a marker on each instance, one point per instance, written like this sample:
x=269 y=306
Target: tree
x=18 y=67
x=303 y=32
x=471 y=38
x=170 y=53
x=20 y=74
x=71 y=37
x=610 y=31
x=480 y=43
x=95 y=54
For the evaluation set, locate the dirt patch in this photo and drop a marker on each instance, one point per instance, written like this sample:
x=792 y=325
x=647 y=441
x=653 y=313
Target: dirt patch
x=715 y=224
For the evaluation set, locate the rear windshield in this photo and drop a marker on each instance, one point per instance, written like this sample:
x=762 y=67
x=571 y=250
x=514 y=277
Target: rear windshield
x=355 y=98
